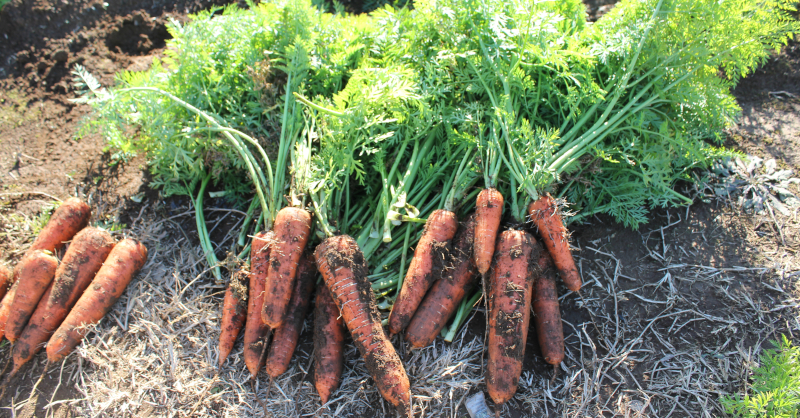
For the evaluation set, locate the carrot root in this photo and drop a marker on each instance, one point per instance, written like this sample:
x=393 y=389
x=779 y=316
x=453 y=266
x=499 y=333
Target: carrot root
x=544 y=213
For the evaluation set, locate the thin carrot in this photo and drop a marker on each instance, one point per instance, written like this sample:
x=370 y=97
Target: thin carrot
x=488 y=213
x=422 y=272
x=328 y=345
x=254 y=327
x=234 y=313
x=510 y=288
x=6 y=280
x=83 y=259
x=72 y=216
x=547 y=313
x=544 y=214
x=35 y=272
x=122 y=264
x=284 y=341
x=292 y=229
x=344 y=270
x=442 y=300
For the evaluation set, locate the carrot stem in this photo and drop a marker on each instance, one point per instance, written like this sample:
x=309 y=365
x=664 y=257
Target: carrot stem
x=202 y=231
x=466 y=307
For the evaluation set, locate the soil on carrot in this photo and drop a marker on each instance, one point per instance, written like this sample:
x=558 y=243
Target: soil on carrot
x=670 y=318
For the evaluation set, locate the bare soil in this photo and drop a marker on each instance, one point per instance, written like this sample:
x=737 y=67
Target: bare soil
x=671 y=317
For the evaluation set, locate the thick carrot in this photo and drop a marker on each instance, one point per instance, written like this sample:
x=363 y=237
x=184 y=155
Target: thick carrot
x=72 y=216
x=6 y=280
x=547 y=313
x=510 y=288
x=442 y=300
x=544 y=214
x=328 y=345
x=35 y=272
x=234 y=313
x=292 y=228
x=422 y=272
x=344 y=269
x=254 y=327
x=124 y=261
x=5 y=307
x=284 y=341
x=488 y=213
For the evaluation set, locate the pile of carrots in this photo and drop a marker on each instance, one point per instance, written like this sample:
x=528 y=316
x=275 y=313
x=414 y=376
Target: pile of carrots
x=47 y=301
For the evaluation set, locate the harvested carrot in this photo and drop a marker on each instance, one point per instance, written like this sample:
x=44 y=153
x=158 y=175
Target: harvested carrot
x=544 y=214
x=124 y=261
x=328 y=345
x=441 y=302
x=234 y=313
x=72 y=216
x=292 y=229
x=426 y=264
x=488 y=213
x=510 y=288
x=254 y=327
x=35 y=272
x=6 y=280
x=547 y=313
x=284 y=341
x=5 y=307
x=344 y=269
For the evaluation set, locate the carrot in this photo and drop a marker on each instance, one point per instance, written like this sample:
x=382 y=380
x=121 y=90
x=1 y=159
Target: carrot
x=547 y=314
x=35 y=272
x=292 y=228
x=344 y=270
x=6 y=280
x=254 y=328
x=510 y=288
x=429 y=254
x=544 y=214
x=442 y=300
x=234 y=313
x=5 y=307
x=286 y=336
x=72 y=216
x=488 y=212
x=124 y=261
x=328 y=345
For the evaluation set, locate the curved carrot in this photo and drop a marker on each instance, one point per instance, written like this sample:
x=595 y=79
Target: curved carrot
x=254 y=328
x=6 y=280
x=284 y=341
x=439 y=230
x=234 y=313
x=328 y=345
x=488 y=213
x=84 y=258
x=36 y=271
x=442 y=300
x=544 y=214
x=547 y=313
x=72 y=216
x=292 y=228
x=124 y=261
x=510 y=288
x=344 y=269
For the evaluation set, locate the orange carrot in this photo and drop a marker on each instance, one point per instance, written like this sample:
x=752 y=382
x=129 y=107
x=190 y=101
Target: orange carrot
x=488 y=213
x=328 y=345
x=84 y=257
x=422 y=272
x=544 y=214
x=35 y=272
x=344 y=269
x=509 y=291
x=72 y=216
x=6 y=280
x=234 y=313
x=254 y=328
x=292 y=228
x=442 y=300
x=547 y=314
x=5 y=307
x=286 y=336
x=124 y=261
